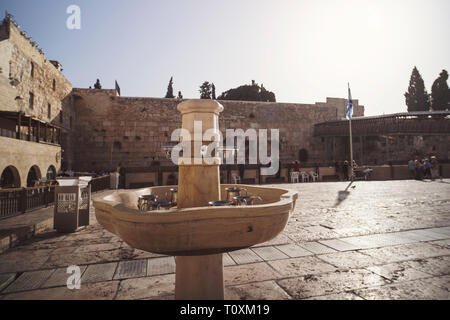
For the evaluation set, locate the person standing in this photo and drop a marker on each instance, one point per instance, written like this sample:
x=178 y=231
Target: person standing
x=411 y=168
x=345 y=169
x=427 y=169
x=434 y=168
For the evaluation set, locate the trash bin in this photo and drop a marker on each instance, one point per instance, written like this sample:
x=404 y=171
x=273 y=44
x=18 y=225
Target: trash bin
x=114 y=180
x=72 y=203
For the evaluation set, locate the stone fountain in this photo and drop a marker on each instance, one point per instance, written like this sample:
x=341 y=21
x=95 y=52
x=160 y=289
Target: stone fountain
x=195 y=233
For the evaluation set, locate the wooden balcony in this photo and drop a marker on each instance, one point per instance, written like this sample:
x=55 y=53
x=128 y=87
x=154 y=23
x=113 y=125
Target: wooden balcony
x=17 y=125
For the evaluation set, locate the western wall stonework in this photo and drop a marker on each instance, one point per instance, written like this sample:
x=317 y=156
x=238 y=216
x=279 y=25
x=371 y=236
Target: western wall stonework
x=111 y=130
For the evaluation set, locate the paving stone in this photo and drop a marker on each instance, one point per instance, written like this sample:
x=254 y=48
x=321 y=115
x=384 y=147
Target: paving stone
x=59 y=277
x=99 y=272
x=398 y=238
x=330 y=283
x=301 y=266
x=364 y=242
x=397 y=272
x=90 y=291
x=266 y=290
x=349 y=259
x=255 y=272
x=98 y=247
x=441 y=243
x=278 y=240
x=23 y=263
x=131 y=269
x=158 y=266
x=29 y=281
x=411 y=290
x=405 y=252
x=339 y=245
x=435 y=266
x=444 y=231
x=338 y=296
x=294 y=251
x=227 y=261
x=6 y=279
x=269 y=253
x=441 y=282
x=316 y=247
x=416 y=236
x=244 y=256
x=147 y=287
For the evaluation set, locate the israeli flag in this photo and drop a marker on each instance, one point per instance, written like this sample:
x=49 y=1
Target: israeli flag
x=349 y=112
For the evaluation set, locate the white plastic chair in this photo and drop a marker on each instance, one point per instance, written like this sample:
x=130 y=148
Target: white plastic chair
x=305 y=176
x=314 y=176
x=295 y=176
x=236 y=178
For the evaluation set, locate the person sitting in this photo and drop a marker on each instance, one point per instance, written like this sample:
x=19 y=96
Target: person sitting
x=296 y=166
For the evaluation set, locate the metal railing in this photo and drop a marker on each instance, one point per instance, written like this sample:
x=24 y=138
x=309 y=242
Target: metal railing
x=20 y=200
x=16 y=201
x=100 y=183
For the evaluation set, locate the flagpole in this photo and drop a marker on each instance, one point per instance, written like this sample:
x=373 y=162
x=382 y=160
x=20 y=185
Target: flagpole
x=351 y=140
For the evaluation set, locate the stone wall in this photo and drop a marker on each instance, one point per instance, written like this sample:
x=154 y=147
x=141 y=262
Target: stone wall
x=111 y=130
x=25 y=70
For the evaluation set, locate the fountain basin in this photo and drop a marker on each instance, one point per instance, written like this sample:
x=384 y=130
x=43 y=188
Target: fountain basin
x=195 y=231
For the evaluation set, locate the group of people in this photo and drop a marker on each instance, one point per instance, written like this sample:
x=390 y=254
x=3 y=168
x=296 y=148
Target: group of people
x=424 y=169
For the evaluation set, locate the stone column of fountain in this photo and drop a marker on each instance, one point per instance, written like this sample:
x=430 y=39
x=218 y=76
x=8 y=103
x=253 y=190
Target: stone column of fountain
x=199 y=277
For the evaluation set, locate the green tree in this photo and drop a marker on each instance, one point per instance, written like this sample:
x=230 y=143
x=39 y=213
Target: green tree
x=417 y=98
x=205 y=90
x=252 y=92
x=169 y=93
x=180 y=96
x=213 y=91
x=440 y=94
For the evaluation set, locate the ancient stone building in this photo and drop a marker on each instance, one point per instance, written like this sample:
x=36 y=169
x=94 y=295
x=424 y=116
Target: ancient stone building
x=33 y=91
x=112 y=130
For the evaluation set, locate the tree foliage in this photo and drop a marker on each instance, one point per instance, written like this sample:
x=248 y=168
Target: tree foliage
x=440 y=93
x=252 y=92
x=169 y=93
x=206 y=90
x=417 y=98
x=180 y=96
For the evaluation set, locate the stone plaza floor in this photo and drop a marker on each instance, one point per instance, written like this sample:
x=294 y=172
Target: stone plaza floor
x=370 y=240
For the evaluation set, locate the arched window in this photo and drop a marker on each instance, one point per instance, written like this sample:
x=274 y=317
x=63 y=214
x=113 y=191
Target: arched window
x=10 y=178
x=34 y=174
x=51 y=173
x=303 y=155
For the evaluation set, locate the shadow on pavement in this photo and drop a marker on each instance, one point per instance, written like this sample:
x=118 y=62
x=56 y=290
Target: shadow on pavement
x=342 y=195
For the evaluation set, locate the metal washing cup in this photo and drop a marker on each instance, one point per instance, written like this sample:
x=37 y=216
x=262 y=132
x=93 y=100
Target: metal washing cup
x=220 y=203
x=145 y=200
x=158 y=205
x=234 y=192
x=174 y=196
x=245 y=200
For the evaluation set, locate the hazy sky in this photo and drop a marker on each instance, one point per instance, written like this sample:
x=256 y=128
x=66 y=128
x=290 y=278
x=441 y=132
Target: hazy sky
x=304 y=51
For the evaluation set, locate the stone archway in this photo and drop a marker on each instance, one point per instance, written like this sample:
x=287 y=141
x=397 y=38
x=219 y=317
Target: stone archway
x=303 y=155
x=10 y=178
x=33 y=174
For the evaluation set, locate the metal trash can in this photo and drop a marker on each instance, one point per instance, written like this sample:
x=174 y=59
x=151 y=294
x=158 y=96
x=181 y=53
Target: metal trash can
x=114 y=180
x=72 y=203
